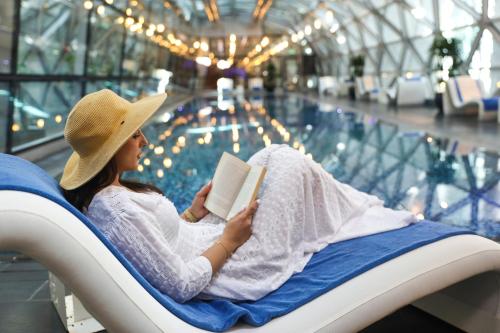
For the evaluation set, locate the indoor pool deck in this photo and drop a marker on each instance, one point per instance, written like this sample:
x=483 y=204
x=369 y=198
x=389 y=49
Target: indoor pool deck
x=427 y=174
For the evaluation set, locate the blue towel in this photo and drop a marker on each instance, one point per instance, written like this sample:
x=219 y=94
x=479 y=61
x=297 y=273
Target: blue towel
x=490 y=104
x=327 y=269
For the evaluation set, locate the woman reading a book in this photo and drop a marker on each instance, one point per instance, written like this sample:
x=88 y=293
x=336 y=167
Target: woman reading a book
x=301 y=209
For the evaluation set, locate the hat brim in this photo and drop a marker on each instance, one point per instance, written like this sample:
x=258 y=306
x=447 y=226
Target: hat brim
x=79 y=170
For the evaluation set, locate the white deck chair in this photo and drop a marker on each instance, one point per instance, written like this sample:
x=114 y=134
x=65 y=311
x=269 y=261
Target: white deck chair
x=368 y=87
x=50 y=233
x=413 y=91
x=465 y=96
x=256 y=85
x=407 y=92
x=327 y=85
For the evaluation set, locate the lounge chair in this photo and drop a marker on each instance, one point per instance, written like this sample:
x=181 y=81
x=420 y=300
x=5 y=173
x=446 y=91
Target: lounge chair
x=465 y=96
x=256 y=85
x=406 y=91
x=368 y=87
x=363 y=286
x=328 y=86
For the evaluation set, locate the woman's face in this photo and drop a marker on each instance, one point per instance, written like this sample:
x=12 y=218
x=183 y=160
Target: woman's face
x=127 y=157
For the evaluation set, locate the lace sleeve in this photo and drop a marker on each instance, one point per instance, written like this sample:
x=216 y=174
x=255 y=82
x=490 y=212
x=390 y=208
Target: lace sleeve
x=142 y=244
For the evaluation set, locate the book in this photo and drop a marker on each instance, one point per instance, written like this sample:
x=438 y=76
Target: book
x=234 y=186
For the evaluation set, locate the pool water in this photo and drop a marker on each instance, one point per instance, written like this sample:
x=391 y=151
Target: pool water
x=408 y=170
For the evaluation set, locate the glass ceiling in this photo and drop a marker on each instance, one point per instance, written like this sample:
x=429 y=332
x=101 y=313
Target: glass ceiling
x=394 y=36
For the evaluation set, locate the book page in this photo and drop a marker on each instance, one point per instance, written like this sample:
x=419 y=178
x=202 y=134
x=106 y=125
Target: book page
x=248 y=191
x=229 y=176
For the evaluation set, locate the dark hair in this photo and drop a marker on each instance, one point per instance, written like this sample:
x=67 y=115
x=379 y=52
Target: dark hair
x=81 y=197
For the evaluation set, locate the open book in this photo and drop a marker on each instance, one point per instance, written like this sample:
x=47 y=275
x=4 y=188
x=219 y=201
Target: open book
x=234 y=186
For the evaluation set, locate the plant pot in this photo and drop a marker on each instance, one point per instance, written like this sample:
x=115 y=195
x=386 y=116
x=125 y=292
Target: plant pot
x=438 y=101
x=352 y=93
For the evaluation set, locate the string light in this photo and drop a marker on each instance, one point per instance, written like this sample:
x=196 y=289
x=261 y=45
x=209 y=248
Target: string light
x=88 y=5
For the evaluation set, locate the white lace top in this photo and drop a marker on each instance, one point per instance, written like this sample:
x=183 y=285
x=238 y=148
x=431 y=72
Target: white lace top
x=302 y=210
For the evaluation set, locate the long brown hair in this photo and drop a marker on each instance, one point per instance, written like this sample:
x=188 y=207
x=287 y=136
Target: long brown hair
x=81 y=196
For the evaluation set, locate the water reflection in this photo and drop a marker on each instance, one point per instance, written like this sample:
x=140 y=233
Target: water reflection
x=410 y=170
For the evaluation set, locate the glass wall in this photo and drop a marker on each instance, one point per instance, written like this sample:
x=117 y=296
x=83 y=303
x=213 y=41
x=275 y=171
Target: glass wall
x=6 y=29
x=40 y=110
x=106 y=40
x=52 y=37
x=66 y=49
x=4 y=105
x=395 y=36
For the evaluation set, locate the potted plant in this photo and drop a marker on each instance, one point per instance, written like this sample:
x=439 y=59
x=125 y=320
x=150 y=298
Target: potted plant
x=447 y=56
x=356 y=67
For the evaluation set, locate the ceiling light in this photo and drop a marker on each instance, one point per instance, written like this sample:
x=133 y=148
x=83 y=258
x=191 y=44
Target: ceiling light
x=100 y=10
x=334 y=28
x=223 y=64
x=205 y=61
x=329 y=16
x=307 y=30
x=317 y=24
x=88 y=5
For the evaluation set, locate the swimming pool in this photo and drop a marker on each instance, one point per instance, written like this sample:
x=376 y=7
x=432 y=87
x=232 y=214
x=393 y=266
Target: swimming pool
x=410 y=170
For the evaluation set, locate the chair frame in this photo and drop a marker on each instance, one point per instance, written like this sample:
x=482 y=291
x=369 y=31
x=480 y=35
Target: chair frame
x=49 y=233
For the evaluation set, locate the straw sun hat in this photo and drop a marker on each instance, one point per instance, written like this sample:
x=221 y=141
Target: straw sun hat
x=99 y=124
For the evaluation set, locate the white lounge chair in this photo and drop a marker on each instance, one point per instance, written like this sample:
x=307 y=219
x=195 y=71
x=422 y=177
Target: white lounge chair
x=225 y=87
x=256 y=85
x=327 y=85
x=407 y=92
x=413 y=91
x=465 y=96
x=35 y=220
x=368 y=87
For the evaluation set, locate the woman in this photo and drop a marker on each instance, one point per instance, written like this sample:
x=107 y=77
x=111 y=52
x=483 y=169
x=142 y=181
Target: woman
x=302 y=209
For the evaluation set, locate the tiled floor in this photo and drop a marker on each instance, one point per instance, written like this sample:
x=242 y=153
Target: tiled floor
x=466 y=129
x=24 y=294
x=24 y=298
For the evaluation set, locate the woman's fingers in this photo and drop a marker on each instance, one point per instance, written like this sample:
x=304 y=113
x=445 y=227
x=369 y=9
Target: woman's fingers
x=205 y=189
x=250 y=210
x=253 y=207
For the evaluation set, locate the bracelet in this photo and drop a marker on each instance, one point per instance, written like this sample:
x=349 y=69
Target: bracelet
x=228 y=253
x=190 y=216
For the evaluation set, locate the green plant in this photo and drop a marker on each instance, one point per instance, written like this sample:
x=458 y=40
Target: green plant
x=446 y=47
x=357 y=65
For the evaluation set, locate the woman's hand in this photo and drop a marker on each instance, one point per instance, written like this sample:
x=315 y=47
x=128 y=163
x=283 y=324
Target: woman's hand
x=239 y=229
x=197 y=207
